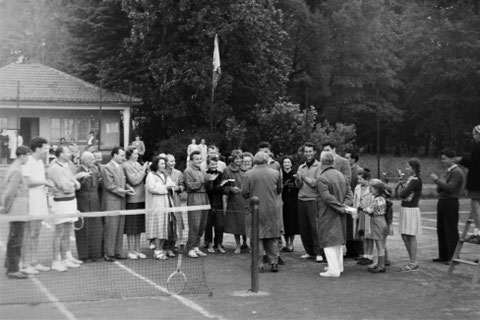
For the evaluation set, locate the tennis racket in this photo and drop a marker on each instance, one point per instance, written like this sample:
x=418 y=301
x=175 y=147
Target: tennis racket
x=177 y=281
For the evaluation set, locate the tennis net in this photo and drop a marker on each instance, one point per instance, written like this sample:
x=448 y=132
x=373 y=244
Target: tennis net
x=97 y=279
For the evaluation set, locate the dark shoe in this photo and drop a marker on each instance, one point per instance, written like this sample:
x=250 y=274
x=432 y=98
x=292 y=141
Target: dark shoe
x=439 y=260
x=377 y=270
x=274 y=267
x=365 y=262
x=120 y=257
x=109 y=258
x=475 y=239
x=281 y=261
x=261 y=269
x=16 y=275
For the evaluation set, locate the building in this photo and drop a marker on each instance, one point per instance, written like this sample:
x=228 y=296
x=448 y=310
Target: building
x=42 y=101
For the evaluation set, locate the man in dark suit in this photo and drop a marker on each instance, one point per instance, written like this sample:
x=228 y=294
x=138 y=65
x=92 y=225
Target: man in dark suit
x=113 y=198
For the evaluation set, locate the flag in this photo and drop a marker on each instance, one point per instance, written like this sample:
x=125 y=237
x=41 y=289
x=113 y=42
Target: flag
x=216 y=63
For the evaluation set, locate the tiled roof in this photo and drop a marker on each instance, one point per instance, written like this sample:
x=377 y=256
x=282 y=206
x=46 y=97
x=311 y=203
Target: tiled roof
x=40 y=83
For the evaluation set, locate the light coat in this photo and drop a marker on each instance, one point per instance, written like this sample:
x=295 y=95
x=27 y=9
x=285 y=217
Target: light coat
x=265 y=183
x=15 y=196
x=335 y=195
x=113 y=180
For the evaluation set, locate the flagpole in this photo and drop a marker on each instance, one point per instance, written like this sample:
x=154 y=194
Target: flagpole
x=212 y=108
x=216 y=71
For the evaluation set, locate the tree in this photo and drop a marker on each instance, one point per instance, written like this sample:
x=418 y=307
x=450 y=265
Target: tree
x=175 y=43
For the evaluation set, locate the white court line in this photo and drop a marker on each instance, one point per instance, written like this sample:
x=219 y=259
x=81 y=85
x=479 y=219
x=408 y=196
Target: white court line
x=60 y=306
x=186 y=302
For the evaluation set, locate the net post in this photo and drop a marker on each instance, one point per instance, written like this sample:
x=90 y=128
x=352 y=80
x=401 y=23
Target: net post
x=254 y=207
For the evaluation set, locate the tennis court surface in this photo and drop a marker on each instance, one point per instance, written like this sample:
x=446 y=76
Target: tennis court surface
x=136 y=289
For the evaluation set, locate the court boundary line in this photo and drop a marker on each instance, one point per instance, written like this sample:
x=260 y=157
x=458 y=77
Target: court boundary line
x=186 y=302
x=53 y=299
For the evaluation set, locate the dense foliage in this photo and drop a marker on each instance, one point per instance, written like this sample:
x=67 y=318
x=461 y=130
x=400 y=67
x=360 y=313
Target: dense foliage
x=292 y=70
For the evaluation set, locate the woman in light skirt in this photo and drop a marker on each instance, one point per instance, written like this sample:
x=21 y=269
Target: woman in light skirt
x=410 y=219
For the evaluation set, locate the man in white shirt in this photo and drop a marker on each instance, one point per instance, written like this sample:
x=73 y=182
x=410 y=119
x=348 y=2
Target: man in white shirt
x=34 y=174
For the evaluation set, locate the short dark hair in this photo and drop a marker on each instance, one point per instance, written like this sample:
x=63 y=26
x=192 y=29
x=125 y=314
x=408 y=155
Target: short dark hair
x=194 y=153
x=236 y=153
x=353 y=154
x=310 y=145
x=21 y=150
x=59 y=151
x=264 y=144
x=129 y=152
x=365 y=173
x=329 y=144
x=415 y=164
x=449 y=153
x=116 y=150
x=37 y=142
x=154 y=165
x=212 y=146
x=211 y=158
x=91 y=132
x=286 y=157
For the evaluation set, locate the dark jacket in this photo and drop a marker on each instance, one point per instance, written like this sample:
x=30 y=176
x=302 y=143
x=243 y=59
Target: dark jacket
x=412 y=192
x=473 y=165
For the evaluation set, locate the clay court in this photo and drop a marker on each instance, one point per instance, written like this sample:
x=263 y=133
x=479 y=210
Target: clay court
x=295 y=292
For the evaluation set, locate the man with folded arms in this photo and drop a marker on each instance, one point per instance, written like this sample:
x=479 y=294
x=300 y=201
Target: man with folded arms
x=15 y=201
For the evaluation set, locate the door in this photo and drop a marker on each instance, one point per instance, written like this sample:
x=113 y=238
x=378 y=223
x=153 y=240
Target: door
x=29 y=128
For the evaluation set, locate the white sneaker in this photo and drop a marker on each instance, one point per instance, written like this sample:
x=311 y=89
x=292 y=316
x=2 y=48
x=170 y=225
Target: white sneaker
x=306 y=256
x=74 y=260
x=319 y=258
x=41 y=267
x=58 y=266
x=199 y=253
x=132 y=255
x=69 y=264
x=140 y=255
x=29 y=270
x=329 y=275
x=192 y=254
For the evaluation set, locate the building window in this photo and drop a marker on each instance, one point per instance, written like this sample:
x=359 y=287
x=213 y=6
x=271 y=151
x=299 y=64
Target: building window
x=55 y=129
x=3 y=123
x=68 y=129
x=83 y=125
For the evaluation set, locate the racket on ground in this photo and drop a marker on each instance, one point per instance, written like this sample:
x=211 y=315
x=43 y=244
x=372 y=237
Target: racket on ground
x=177 y=281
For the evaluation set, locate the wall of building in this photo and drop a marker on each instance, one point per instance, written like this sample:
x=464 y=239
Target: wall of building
x=69 y=124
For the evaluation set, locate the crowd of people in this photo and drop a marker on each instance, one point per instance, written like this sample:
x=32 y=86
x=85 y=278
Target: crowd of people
x=329 y=200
